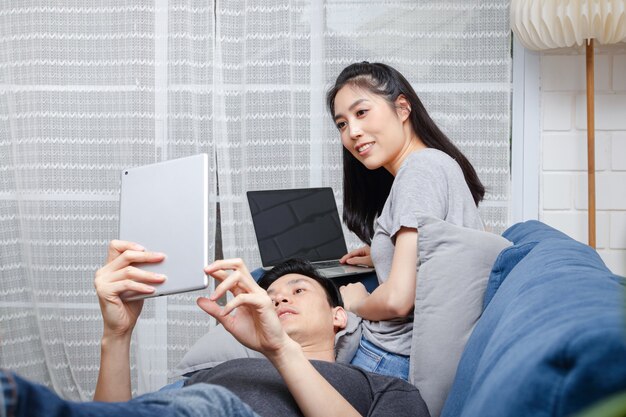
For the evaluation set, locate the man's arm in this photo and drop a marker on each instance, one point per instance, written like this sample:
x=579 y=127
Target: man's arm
x=119 y=317
x=114 y=374
x=313 y=393
x=256 y=325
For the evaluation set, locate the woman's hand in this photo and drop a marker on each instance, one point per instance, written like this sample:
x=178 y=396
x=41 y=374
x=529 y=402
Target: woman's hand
x=353 y=295
x=117 y=277
x=360 y=256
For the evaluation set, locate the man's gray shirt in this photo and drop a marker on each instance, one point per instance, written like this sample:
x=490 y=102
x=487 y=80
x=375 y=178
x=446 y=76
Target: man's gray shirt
x=257 y=383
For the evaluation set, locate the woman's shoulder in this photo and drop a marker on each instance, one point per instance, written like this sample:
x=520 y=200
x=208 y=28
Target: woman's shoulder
x=429 y=160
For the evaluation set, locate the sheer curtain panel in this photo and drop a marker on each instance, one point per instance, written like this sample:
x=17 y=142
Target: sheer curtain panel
x=86 y=90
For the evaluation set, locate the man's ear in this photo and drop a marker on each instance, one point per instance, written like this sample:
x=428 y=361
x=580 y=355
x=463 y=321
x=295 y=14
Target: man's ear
x=340 y=318
x=403 y=107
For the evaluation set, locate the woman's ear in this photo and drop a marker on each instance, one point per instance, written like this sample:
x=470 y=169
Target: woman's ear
x=403 y=107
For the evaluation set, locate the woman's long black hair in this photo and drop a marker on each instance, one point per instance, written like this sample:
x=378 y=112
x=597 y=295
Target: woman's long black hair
x=365 y=191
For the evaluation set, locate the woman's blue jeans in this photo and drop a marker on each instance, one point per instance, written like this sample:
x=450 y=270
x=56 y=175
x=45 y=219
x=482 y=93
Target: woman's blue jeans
x=22 y=398
x=370 y=357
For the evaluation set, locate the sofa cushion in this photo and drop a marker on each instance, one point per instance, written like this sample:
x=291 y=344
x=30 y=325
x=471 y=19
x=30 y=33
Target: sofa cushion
x=505 y=262
x=526 y=236
x=551 y=341
x=455 y=263
x=532 y=231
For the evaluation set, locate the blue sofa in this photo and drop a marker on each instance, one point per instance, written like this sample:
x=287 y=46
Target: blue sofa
x=552 y=338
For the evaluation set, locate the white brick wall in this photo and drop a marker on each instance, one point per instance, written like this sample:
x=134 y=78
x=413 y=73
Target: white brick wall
x=563 y=181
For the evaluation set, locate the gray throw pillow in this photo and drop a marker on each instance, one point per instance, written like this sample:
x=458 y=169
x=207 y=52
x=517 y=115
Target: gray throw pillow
x=347 y=340
x=215 y=347
x=455 y=263
x=219 y=346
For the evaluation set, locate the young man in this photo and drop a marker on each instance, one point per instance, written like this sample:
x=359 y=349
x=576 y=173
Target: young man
x=292 y=322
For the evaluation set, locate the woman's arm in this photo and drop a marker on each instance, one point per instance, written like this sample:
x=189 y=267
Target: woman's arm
x=395 y=297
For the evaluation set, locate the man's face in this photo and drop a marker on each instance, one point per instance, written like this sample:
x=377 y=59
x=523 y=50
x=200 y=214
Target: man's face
x=303 y=309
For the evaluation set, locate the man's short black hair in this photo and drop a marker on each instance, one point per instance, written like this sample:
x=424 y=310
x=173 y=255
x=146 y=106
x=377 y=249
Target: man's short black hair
x=302 y=267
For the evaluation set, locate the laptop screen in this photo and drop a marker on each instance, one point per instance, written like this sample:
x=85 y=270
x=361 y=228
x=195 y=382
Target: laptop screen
x=297 y=223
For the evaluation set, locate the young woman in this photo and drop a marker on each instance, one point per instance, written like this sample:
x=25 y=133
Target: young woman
x=396 y=163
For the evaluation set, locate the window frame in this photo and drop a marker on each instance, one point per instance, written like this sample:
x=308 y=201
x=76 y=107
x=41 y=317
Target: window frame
x=525 y=134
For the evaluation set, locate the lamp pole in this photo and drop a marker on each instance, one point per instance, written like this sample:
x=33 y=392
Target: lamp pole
x=591 y=158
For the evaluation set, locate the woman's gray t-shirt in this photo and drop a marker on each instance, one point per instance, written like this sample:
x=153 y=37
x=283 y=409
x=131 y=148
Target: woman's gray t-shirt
x=429 y=182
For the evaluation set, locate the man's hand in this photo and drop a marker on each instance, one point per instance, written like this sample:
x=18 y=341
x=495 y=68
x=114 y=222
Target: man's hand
x=360 y=256
x=255 y=324
x=118 y=276
x=353 y=295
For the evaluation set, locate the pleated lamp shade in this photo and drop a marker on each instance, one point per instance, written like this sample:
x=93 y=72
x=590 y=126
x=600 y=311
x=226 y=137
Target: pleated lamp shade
x=548 y=24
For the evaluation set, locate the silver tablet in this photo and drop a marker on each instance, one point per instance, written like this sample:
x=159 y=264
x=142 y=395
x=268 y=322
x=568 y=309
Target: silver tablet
x=164 y=208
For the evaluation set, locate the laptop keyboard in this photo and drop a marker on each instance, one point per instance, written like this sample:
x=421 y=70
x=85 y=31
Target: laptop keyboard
x=327 y=264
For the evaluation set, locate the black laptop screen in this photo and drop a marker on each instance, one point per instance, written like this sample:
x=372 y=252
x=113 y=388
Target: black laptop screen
x=302 y=223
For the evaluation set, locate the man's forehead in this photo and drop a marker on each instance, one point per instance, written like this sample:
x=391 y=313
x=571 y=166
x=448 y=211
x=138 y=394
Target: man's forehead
x=291 y=280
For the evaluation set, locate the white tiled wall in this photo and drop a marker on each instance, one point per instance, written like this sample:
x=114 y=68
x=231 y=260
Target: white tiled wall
x=563 y=200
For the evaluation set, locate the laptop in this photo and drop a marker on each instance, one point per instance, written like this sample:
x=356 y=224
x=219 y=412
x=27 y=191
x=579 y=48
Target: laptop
x=301 y=223
x=164 y=208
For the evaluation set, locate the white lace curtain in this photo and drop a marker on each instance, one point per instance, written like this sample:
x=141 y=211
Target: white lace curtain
x=89 y=88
